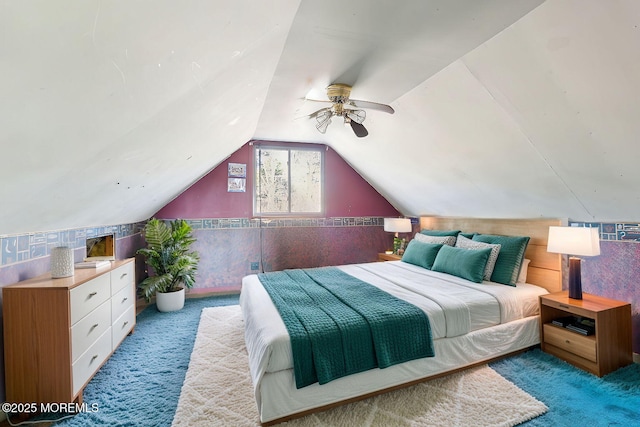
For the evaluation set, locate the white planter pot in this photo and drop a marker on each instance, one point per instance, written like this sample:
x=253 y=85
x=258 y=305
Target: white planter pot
x=170 y=301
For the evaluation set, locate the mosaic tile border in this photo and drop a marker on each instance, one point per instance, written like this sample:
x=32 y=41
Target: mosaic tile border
x=228 y=223
x=616 y=231
x=25 y=247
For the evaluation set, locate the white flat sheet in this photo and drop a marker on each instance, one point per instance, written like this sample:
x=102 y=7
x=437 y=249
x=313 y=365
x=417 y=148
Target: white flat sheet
x=474 y=306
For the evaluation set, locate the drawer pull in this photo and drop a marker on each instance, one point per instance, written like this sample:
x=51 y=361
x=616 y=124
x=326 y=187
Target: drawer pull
x=93 y=327
x=123 y=275
x=95 y=356
x=567 y=341
x=126 y=322
x=563 y=306
x=124 y=299
x=93 y=294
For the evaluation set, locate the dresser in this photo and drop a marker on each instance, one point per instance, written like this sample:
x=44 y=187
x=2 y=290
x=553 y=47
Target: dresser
x=59 y=332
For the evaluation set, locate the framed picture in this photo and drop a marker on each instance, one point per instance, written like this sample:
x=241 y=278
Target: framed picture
x=236 y=185
x=237 y=170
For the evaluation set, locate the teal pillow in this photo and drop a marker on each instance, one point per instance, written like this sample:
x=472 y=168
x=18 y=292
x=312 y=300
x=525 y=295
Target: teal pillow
x=440 y=232
x=466 y=263
x=510 y=258
x=421 y=254
x=468 y=235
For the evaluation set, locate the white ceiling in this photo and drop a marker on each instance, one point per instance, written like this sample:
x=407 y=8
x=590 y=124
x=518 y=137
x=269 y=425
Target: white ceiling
x=110 y=109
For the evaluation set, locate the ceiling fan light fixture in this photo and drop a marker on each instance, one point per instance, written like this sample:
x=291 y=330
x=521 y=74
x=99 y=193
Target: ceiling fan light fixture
x=323 y=122
x=338 y=95
x=357 y=116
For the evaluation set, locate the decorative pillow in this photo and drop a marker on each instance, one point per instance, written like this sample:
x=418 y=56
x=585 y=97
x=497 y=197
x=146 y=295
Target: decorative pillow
x=440 y=232
x=522 y=278
x=442 y=240
x=463 y=242
x=467 y=235
x=421 y=254
x=510 y=258
x=466 y=263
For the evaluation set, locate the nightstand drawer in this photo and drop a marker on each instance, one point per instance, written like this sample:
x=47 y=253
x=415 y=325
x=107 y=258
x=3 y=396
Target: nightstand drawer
x=583 y=346
x=569 y=308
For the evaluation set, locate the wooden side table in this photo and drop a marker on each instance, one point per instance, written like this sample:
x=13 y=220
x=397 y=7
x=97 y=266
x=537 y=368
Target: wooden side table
x=389 y=257
x=608 y=349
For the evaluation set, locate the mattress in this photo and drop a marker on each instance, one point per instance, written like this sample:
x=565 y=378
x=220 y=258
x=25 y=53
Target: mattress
x=464 y=317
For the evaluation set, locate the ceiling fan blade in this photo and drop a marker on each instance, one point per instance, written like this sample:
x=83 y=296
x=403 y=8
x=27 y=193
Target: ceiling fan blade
x=317 y=100
x=358 y=129
x=371 y=105
x=319 y=112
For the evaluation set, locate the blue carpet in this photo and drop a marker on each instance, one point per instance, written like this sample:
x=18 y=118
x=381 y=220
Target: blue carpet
x=575 y=397
x=140 y=384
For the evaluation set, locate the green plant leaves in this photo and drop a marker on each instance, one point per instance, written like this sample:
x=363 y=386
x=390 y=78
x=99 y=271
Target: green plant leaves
x=169 y=255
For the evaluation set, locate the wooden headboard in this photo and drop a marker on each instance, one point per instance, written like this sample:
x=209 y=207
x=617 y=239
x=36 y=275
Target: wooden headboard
x=545 y=269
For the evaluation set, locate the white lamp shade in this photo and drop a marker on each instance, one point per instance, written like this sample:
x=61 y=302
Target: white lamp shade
x=397 y=225
x=574 y=241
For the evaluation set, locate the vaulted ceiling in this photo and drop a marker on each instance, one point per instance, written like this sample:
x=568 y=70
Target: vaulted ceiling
x=503 y=108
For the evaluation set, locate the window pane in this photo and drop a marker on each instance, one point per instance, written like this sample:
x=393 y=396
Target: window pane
x=288 y=181
x=306 y=181
x=272 y=181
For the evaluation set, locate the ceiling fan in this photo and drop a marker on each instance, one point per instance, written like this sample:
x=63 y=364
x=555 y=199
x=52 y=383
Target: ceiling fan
x=349 y=109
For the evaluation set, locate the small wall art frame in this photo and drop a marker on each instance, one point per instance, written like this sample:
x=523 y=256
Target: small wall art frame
x=236 y=185
x=237 y=170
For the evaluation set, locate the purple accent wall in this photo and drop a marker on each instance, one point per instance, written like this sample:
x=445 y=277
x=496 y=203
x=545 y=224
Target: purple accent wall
x=615 y=273
x=208 y=198
x=347 y=194
x=226 y=254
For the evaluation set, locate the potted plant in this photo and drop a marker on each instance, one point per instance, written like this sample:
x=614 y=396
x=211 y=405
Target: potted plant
x=173 y=264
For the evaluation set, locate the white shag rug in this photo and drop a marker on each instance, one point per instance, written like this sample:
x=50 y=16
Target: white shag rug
x=218 y=391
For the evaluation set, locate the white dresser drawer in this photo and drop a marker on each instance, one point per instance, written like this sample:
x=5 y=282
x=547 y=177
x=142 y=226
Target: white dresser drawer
x=121 y=301
x=88 y=296
x=121 y=277
x=123 y=325
x=87 y=330
x=91 y=360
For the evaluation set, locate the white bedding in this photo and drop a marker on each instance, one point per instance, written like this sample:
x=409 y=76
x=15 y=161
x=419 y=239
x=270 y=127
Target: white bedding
x=470 y=307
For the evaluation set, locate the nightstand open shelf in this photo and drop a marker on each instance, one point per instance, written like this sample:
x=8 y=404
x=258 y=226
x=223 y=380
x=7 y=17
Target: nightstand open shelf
x=608 y=349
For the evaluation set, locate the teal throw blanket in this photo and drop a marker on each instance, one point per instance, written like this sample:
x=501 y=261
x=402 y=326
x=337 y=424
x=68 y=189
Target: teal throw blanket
x=340 y=325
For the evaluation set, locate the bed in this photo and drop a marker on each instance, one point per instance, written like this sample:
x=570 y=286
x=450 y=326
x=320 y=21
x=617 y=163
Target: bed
x=485 y=321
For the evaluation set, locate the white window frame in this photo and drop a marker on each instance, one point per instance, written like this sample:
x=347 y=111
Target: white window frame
x=289 y=148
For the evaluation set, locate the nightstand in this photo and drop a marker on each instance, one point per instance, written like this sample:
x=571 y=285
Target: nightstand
x=608 y=349
x=389 y=257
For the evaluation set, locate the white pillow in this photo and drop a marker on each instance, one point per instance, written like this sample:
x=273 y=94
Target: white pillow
x=522 y=278
x=465 y=243
x=443 y=240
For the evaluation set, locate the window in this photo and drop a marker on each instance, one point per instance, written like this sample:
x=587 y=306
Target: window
x=288 y=181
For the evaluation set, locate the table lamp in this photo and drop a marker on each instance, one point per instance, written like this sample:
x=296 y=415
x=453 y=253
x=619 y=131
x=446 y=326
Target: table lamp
x=397 y=225
x=574 y=241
